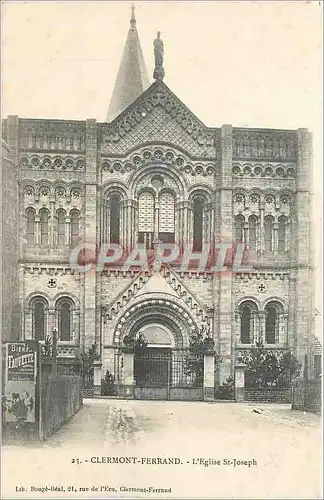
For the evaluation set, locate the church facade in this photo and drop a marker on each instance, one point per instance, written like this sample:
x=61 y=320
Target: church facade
x=154 y=174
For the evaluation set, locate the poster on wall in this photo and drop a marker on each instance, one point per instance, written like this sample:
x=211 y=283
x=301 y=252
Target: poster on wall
x=20 y=381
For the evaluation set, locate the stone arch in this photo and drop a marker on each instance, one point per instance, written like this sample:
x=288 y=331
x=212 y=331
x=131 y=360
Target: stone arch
x=201 y=190
x=69 y=296
x=249 y=298
x=114 y=187
x=157 y=167
x=44 y=183
x=274 y=299
x=157 y=310
x=34 y=295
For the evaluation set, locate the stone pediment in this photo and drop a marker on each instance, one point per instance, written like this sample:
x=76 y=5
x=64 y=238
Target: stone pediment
x=164 y=282
x=158 y=116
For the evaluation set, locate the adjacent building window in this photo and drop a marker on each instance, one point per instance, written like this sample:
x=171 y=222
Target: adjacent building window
x=252 y=232
x=61 y=227
x=198 y=219
x=247 y=323
x=166 y=218
x=44 y=226
x=282 y=234
x=146 y=219
x=74 y=226
x=39 y=309
x=239 y=225
x=30 y=216
x=272 y=311
x=268 y=233
x=64 y=309
x=114 y=218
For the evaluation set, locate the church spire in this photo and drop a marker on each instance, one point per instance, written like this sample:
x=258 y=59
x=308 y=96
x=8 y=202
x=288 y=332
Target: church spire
x=132 y=78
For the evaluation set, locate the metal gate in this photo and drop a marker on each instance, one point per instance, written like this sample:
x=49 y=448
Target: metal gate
x=164 y=374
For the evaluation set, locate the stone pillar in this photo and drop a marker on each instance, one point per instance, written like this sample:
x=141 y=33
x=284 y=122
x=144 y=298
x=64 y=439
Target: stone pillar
x=239 y=381
x=37 y=231
x=302 y=250
x=209 y=378
x=246 y=233
x=91 y=329
x=275 y=238
x=128 y=374
x=156 y=222
x=68 y=230
x=261 y=228
x=262 y=326
x=97 y=375
x=225 y=322
x=51 y=322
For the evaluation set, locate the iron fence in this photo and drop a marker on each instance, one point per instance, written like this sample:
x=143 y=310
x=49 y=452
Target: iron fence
x=176 y=368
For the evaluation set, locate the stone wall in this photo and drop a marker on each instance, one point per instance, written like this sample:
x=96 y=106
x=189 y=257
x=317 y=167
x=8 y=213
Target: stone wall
x=10 y=288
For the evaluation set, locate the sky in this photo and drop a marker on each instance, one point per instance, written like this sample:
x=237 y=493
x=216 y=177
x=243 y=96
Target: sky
x=249 y=64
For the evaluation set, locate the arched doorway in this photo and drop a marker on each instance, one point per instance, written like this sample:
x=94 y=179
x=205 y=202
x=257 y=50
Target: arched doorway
x=153 y=363
x=164 y=365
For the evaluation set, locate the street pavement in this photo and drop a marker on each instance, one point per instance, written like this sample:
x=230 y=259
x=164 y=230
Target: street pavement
x=224 y=450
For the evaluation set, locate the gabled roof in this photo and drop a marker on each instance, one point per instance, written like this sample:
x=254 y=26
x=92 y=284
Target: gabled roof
x=132 y=78
x=159 y=115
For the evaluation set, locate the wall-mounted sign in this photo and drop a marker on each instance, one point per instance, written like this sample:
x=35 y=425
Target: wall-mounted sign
x=20 y=381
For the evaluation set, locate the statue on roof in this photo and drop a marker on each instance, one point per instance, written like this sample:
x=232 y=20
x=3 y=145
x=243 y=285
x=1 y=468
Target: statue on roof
x=158 y=56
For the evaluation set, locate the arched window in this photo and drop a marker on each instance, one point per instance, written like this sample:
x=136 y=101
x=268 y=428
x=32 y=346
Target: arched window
x=44 y=226
x=272 y=312
x=252 y=232
x=74 y=226
x=282 y=234
x=61 y=227
x=30 y=216
x=114 y=218
x=268 y=233
x=39 y=309
x=146 y=219
x=247 y=313
x=64 y=308
x=198 y=211
x=239 y=224
x=166 y=218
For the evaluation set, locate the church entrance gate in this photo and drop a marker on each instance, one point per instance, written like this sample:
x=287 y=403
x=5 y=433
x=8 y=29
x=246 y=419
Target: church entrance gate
x=168 y=374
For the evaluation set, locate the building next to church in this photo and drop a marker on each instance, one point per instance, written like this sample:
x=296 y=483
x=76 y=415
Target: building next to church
x=153 y=172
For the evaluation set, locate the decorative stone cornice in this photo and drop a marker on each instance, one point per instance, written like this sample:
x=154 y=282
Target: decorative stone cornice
x=264 y=144
x=157 y=155
x=268 y=170
x=57 y=135
x=50 y=270
x=264 y=275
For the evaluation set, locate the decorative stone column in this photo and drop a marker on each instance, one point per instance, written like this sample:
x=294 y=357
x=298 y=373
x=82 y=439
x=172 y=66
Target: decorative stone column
x=261 y=228
x=275 y=238
x=262 y=326
x=209 y=369
x=97 y=373
x=128 y=373
x=37 y=231
x=239 y=381
x=68 y=230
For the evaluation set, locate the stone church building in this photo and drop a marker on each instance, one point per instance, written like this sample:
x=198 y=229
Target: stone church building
x=153 y=173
